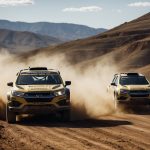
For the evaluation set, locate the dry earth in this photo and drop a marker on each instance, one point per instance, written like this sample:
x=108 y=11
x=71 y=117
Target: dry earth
x=115 y=132
x=129 y=44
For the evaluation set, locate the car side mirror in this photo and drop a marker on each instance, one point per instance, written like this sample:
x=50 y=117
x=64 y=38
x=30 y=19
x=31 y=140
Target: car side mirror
x=67 y=83
x=10 y=84
x=113 y=84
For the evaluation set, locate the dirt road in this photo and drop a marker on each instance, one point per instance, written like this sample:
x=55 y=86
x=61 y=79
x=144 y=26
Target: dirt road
x=120 y=131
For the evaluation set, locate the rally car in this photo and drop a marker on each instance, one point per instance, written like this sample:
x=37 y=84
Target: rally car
x=38 y=90
x=130 y=88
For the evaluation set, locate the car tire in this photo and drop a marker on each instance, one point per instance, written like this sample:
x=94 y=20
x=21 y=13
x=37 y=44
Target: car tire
x=10 y=116
x=65 y=115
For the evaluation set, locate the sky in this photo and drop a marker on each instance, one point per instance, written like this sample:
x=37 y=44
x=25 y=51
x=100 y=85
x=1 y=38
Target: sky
x=93 y=13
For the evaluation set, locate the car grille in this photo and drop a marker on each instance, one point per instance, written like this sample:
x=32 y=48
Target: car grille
x=39 y=97
x=40 y=94
x=32 y=100
x=139 y=93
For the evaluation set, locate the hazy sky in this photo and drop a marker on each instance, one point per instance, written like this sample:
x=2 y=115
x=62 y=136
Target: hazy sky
x=94 y=13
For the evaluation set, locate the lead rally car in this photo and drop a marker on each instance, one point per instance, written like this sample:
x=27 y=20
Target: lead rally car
x=38 y=91
x=130 y=88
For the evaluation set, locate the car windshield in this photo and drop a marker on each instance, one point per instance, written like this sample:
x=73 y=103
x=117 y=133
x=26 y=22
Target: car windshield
x=134 y=80
x=38 y=79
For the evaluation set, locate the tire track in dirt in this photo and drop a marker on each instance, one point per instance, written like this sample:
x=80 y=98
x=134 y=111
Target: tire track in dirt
x=123 y=139
x=111 y=142
x=110 y=138
x=118 y=132
x=137 y=133
x=44 y=137
x=86 y=140
x=82 y=135
x=61 y=134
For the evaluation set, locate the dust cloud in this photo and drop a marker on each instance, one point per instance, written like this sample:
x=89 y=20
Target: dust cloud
x=89 y=95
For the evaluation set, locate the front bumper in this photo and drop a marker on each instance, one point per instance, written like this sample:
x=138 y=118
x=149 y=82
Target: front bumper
x=137 y=101
x=40 y=105
x=134 y=99
x=38 y=109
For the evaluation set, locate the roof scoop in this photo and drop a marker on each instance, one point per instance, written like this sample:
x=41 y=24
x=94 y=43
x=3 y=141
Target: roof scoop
x=38 y=68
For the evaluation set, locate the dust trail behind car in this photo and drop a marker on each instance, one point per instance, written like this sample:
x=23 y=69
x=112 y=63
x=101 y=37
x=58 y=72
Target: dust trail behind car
x=88 y=89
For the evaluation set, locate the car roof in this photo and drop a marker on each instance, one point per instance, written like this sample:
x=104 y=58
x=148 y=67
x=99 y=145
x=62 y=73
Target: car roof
x=37 y=70
x=129 y=74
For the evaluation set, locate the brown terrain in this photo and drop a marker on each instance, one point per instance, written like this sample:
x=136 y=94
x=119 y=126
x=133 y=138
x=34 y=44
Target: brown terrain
x=128 y=47
x=127 y=44
x=121 y=132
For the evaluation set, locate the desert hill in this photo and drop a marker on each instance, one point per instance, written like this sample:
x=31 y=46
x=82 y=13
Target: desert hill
x=128 y=45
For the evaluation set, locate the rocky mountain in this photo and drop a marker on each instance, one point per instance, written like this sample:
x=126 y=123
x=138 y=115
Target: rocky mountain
x=17 y=42
x=62 y=31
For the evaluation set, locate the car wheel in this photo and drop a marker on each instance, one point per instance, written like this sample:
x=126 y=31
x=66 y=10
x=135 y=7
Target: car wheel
x=65 y=115
x=10 y=116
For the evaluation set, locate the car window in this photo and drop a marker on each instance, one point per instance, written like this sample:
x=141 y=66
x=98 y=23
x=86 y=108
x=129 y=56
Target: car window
x=39 y=79
x=133 y=80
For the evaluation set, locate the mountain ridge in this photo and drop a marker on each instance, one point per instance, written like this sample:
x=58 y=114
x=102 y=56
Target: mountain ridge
x=64 y=31
x=18 y=42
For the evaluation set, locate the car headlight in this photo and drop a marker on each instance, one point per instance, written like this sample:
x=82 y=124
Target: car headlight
x=123 y=91
x=18 y=94
x=59 y=93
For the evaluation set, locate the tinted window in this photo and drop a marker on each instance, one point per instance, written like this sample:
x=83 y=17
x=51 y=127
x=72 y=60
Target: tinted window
x=38 y=79
x=133 y=80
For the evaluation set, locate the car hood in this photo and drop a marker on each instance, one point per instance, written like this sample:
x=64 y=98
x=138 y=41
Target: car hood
x=137 y=87
x=34 y=88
